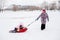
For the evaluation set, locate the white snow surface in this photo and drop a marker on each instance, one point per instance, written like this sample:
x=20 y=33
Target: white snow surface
x=10 y=19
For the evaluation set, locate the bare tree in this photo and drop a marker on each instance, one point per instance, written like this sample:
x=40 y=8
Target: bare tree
x=59 y=5
x=2 y=3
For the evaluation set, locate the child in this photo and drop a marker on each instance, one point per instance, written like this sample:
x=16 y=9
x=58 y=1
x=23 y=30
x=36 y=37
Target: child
x=22 y=29
x=15 y=29
x=43 y=16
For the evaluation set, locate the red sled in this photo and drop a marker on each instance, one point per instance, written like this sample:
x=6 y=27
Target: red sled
x=20 y=31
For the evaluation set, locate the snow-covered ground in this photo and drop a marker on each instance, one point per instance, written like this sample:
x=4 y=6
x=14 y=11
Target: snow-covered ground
x=11 y=19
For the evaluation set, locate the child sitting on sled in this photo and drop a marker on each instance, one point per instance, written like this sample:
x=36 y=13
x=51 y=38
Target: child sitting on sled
x=22 y=29
x=18 y=30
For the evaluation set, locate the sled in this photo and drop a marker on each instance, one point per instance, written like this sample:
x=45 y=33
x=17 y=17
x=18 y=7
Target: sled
x=20 y=31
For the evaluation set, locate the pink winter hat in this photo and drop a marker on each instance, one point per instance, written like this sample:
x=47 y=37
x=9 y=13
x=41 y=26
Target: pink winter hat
x=44 y=10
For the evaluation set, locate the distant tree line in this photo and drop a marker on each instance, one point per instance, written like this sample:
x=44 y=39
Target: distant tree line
x=49 y=6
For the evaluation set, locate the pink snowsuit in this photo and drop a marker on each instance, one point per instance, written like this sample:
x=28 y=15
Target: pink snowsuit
x=43 y=16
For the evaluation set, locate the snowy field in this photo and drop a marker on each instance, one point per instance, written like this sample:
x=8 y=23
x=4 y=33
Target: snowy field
x=11 y=19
